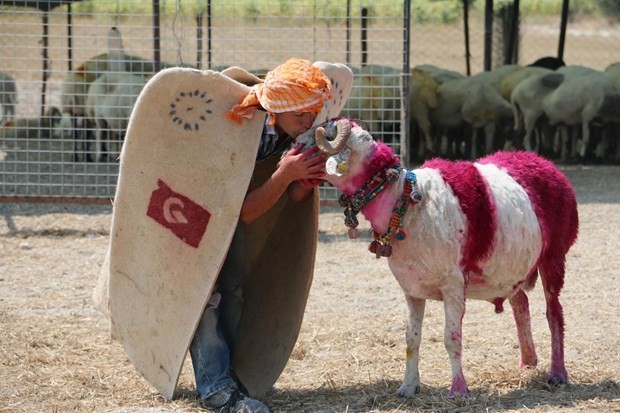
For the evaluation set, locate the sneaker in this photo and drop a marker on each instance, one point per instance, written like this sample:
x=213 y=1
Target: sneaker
x=232 y=400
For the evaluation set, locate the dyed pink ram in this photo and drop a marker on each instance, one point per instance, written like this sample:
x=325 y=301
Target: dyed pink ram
x=482 y=230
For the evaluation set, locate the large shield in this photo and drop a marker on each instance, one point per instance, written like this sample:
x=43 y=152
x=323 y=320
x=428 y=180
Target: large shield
x=185 y=170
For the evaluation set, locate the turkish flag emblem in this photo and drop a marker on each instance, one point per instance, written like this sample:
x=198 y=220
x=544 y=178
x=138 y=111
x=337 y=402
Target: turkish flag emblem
x=185 y=218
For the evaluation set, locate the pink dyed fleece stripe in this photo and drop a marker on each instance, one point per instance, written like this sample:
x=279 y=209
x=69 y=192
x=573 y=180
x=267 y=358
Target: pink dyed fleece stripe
x=472 y=192
x=551 y=196
x=382 y=158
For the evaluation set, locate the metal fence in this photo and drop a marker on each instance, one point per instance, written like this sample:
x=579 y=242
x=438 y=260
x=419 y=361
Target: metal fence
x=53 y=51
x=54 y=56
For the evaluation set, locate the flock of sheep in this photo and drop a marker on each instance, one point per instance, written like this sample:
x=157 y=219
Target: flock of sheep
x=98 y=96
x=569 y=113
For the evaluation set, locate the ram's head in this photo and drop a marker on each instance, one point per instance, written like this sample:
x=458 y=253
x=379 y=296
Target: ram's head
x=345 y=142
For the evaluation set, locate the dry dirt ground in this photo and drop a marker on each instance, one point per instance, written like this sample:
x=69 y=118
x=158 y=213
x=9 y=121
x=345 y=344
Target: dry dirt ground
x=55 y=355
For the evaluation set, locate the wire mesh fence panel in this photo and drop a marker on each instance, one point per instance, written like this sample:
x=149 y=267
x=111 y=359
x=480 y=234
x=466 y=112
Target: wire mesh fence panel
x=78 y=67
x=71 y=70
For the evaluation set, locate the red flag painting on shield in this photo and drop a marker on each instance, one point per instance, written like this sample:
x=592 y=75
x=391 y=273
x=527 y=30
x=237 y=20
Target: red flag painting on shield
x=184 y=217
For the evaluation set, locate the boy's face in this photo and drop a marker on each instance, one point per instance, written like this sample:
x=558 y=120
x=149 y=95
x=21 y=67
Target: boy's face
x=294 y=123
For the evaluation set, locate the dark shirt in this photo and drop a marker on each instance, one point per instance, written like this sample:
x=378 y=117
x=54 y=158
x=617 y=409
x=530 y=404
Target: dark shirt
x=269 y=144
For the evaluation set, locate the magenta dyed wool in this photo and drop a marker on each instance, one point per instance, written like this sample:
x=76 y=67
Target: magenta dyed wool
x=382 y=158
x=554 y=204
x=473 y=195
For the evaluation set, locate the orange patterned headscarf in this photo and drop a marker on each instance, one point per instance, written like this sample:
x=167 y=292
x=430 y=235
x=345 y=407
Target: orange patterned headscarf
x=294 y=86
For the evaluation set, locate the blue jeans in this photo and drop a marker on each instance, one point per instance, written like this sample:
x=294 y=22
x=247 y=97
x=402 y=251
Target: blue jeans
x=213 y=342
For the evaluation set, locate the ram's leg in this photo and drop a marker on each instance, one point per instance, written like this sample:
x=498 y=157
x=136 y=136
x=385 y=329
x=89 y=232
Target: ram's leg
x=521 y=311
x=411 y=382
x=454 y=307
x=552 y=276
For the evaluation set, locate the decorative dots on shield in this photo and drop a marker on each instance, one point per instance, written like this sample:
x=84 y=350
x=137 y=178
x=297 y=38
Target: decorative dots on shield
x=338 y=96
x=190 y=110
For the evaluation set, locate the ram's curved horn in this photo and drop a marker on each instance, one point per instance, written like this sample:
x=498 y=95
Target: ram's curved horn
x=343 y=128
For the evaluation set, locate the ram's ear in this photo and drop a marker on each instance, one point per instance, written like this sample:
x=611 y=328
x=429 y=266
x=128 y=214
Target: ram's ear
x=332 y=167
x=361 y=124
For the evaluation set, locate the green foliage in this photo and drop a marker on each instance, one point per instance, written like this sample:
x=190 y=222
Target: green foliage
x=552 y=7
x=443 y=11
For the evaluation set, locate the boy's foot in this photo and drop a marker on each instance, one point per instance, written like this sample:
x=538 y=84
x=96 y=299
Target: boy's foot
x=232 y=400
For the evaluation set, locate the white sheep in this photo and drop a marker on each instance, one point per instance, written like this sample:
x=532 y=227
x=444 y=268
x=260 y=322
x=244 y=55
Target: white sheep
x=51 y=125
x=457 y=230
x=111 y=97
x=439 y=74
x=526 y=102
x=582 y=96
x=422 y=98
x=496 y=77
x=8 y=96
x=76 y=84
x=474 y=101
x=513 y=79
x=110 y=100
x=612 y=72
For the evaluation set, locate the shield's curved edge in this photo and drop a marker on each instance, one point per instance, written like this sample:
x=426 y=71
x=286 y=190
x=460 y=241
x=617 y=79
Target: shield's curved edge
x=341 y=78
x=179 y=193
x=281 y=252
x=241 y=75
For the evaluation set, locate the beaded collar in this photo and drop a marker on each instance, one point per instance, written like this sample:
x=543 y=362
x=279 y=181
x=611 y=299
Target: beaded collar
x=354 y=203
x=381 y=245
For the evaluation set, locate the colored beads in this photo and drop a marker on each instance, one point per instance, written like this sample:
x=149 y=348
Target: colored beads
x=353 y=233
x=381 y=245
x=353 y=204
x=415 y=197
x=380 y=250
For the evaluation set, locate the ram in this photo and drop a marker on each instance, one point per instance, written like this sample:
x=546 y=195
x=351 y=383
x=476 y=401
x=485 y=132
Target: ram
x=455 y=230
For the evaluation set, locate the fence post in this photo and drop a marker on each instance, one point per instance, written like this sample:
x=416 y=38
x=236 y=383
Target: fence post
x=404 y=84
x=488 y=35
x=364 y=36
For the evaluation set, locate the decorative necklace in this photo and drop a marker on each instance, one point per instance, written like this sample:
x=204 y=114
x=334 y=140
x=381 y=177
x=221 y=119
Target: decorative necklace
x=381 y=246
x=353 y=204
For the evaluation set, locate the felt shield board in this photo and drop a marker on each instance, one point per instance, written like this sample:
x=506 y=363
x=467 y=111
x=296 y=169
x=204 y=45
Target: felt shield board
x=341 y=78
x=184 y=172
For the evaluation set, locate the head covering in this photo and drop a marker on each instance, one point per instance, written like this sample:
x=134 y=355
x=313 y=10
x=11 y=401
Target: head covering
x=294 y=86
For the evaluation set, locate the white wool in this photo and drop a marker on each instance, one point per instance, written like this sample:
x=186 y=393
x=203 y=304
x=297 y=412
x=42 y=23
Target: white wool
x=428 y=259
x=518 y=239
